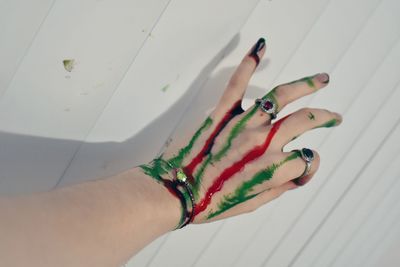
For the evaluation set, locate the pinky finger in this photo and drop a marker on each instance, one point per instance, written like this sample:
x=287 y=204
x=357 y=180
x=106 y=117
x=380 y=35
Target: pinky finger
x=258 y=201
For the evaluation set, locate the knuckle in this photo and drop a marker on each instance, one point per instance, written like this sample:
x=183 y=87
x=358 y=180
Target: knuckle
x=248 y=62
x=234 y=83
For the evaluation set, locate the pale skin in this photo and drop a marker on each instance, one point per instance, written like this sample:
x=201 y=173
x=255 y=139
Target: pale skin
x=105 y=222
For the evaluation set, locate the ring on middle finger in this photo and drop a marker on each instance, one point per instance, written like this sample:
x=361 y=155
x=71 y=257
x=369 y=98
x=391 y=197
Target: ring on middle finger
x=268 y=106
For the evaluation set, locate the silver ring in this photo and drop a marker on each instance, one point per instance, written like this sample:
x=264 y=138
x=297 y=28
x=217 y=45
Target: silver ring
x=308 y=156
x=268 y=106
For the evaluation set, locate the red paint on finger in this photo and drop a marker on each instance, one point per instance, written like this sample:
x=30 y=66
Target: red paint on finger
x=237 y=167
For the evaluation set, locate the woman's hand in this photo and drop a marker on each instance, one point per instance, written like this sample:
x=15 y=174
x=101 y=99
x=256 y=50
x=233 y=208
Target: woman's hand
x=235 y=162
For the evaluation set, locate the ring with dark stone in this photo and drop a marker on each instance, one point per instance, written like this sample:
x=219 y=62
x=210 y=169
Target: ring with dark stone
x=308 y=156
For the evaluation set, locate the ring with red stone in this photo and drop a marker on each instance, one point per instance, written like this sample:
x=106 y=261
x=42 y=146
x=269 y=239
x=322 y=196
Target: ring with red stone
x=268 y=106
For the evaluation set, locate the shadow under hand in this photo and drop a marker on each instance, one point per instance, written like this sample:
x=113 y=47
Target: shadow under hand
x=36 y=164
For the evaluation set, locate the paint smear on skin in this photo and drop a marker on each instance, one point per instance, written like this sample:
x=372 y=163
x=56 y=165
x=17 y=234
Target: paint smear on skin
x=308 y=80
x=241 y=193
x=236 y=167
x=328 y=124
x=160 y=167
x=189 y=169
x=177 y=160
x=236 y=130
x=311 y=116
x=69 y=64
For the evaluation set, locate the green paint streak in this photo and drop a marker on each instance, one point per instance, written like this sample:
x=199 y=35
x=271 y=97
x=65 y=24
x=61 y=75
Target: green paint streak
x=240 y=125
x=156 y=168
x=241 y=193
x=177 y=160
x=236 y=130
x=311 y=116
x=328 y=124
x=199 y=175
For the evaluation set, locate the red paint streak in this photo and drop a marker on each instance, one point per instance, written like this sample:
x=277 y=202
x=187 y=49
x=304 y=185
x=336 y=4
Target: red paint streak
x=189 y=169
x=237 y=167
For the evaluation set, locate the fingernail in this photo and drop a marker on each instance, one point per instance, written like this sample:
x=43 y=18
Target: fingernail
x=257 y=48
x=322 y=77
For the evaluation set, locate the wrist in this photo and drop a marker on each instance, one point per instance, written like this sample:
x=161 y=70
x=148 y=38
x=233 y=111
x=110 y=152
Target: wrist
x=175 y=181
x=162 y=207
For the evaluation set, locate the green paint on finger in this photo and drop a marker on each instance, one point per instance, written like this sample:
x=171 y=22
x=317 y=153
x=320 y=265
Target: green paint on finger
x=308 y=80
x=328 y=124
x=229 y=203
x=236 y=130
x=242 y=193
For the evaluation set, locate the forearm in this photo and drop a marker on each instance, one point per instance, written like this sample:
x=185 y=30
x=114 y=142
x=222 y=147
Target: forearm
x=98 y=223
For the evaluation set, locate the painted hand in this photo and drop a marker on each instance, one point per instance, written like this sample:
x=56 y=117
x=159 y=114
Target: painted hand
x=235 y=162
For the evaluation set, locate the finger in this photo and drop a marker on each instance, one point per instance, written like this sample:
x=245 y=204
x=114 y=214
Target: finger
x=294 y=169
x=240 y=79
x=284 y=94
x=304 y=120
x=257 y=201
x=269 y=195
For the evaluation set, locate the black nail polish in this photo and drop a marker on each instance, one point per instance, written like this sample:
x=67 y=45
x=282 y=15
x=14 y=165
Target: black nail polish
x=327 y=81
x=257 y=48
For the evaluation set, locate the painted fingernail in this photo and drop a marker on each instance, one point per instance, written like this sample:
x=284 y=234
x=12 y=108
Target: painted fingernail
x=322 y=77
x=257 y=48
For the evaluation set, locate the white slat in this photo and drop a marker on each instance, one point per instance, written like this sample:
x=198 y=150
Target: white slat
x=44 y=100
x=20 y=20
x=385 y=253
x=375 y=50
x=387 y=79
x=368 y=233
x=347 y=229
